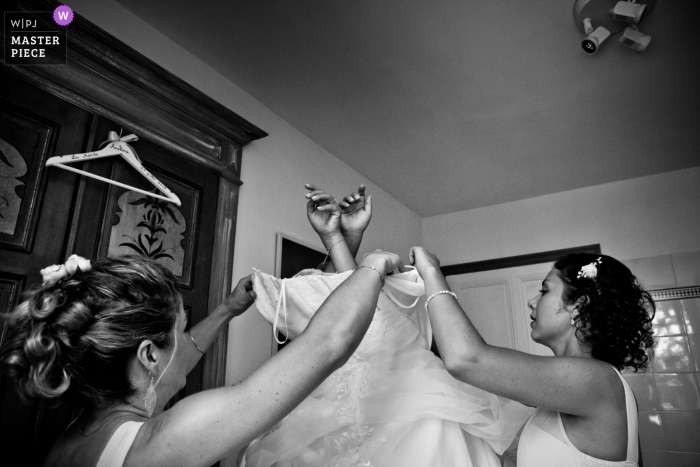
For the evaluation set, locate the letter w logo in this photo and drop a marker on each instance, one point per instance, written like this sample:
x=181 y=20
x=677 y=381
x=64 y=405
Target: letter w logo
x=63 y=15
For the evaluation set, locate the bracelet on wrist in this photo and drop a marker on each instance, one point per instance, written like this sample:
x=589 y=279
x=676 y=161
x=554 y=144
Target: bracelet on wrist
x=195 y=343
x=441 y=292
x=328 y=250
x=381 y=275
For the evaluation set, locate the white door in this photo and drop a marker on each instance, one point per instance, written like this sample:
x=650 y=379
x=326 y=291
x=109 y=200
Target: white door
x=496 y=303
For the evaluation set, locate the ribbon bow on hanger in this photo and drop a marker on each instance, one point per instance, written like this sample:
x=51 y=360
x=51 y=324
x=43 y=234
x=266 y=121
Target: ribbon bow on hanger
x=113 y=137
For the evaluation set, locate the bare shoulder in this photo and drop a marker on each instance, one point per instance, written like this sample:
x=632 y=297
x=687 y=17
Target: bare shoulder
x=72 y=449
x=603 y=383
x=79 y=446
x=591 y=372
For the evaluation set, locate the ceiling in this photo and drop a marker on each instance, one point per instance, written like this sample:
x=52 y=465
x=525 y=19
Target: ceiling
x=452 y=105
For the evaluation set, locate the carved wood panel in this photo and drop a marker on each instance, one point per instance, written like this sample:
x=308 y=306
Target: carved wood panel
x=139 y=224
x=11 y=285
x=25 y=140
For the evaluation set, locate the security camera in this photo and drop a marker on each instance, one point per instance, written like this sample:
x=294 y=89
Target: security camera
x=594 y=37
x=634 y=39
x=628 y=12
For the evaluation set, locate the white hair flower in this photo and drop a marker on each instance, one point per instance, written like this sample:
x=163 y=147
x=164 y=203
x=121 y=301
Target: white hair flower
x=56 y=272
x=590 y=271
x=74 y=262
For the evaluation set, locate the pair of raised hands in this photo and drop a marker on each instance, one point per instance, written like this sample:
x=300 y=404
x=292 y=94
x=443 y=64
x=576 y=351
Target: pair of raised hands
x=328 y=217
x=350 y=217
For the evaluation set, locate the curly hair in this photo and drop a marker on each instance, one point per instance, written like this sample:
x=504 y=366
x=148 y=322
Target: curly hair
x=615 y=313
x=76 y=338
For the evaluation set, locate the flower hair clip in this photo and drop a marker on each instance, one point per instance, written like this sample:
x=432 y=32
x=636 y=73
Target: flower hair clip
x=590 y=271
x=54 y=273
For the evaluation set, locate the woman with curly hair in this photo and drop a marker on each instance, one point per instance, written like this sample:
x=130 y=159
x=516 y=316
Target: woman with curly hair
x=110 y=335
x=596 y=319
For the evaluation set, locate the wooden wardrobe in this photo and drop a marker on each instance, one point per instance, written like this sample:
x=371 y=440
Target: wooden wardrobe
x=187 y=140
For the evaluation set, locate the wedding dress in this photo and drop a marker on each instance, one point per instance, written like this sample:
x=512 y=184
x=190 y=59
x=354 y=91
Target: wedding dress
x=392 y=404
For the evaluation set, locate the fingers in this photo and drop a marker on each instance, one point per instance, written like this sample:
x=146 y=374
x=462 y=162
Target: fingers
x=320 y=201
x=245 y=286
x=331 y=208
x=400 y=266
x=246 y=282
x=320 y=196
x=310 y=206
x=420 y=254
x=348 y=201
x=356 y=196
x=368 y=204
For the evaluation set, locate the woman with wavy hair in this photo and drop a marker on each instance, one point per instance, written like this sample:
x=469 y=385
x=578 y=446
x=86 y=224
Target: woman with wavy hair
x=110 y=336
x=595 y=317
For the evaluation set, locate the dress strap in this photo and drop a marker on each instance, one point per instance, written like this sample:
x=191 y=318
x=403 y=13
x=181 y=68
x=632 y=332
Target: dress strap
x=282 y=301
x=632 y=422
x=409 y=283
x=119 y=444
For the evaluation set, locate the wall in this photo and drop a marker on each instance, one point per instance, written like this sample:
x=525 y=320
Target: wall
x=274 y=171
x=647 y=216
x=668 y=394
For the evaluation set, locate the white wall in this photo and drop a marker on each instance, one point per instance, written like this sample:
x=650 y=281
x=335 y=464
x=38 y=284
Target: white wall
x=274 y=171
x=647 y=216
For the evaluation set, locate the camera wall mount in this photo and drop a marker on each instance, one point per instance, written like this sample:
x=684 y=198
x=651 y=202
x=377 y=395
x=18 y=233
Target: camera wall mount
x=598 y=14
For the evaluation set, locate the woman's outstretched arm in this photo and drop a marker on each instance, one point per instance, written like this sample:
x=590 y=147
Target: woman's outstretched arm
x=206 y=331
x=573 y=385
x=203 y=428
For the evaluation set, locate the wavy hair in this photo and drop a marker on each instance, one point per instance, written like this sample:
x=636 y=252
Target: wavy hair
x=76 y=338
x=615 y=313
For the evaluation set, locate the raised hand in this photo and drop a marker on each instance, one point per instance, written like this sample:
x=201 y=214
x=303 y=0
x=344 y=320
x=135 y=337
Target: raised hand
x=383 y=261
x=323 y=212
x=423 y=260
x=240 y=299
x=356 y=210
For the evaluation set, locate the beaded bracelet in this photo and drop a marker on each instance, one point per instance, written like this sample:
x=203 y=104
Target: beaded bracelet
x=447 y=292
x=381 y=276
x=195 y=343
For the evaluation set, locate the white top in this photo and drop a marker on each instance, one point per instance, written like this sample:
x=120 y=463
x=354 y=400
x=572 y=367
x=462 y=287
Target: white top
x=119 y=444
x=544 y=442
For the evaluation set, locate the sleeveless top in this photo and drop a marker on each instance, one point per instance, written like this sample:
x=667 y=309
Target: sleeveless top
x=544 y=443
x=119 y=444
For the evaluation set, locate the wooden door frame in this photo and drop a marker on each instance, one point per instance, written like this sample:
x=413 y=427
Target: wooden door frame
x=109 y=78
x=513 y=261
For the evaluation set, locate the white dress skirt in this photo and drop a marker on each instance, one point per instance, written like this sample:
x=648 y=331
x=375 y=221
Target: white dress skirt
x=392 y=404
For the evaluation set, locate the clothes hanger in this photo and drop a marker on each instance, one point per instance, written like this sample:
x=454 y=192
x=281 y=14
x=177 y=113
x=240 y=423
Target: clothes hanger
x=116 y=145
